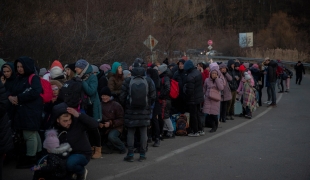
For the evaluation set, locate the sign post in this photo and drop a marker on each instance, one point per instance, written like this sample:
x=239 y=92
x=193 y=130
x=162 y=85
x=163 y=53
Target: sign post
x=150 y=42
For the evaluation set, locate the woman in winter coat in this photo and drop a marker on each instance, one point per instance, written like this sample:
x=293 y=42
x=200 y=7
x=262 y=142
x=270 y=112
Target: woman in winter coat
x=27 y=107
x=90 y=84
x=226 y=95
x=9 y=77
x=248 y=96
x=6 y=142
x=69 y=71
x=233 y=85
x=116 y=80
x=212 y=107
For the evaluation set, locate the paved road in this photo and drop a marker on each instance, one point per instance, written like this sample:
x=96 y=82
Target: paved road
x=273 y=145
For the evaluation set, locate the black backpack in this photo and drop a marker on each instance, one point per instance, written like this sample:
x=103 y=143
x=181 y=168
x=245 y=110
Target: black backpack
x=72 y=93
x=138 y=92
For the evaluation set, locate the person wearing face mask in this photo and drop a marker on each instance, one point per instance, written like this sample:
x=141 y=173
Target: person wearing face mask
x=212 y=107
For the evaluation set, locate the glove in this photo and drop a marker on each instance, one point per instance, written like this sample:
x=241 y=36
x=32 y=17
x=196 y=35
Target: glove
x=85 y=76
x=77 y=78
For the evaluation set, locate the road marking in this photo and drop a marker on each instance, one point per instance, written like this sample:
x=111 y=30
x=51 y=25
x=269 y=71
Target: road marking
x=177 y=151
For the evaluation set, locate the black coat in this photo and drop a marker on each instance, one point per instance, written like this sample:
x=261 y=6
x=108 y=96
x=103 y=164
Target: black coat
x=28 y=112
x=164 y=92
x=193 y=85
x=76 y=135
x=234 y=83
x=299 y=69
x=272 y=71
x=6 y=141
x=137 y=117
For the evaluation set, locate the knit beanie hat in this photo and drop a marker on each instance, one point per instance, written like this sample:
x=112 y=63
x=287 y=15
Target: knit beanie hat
x=105 y=67
x=166 y=61
x=42 y=71
x=126 y=73
x=58 y=64
x=105 y=91
x=255 y=66
x=246 y=65
x=181 y=61
x=247 y=76
x=71 y=67
x=214 y=65
x=82 y=63
x=95 y=69
x=162 y=68
x=56 y=72
x=51 y=140
x=242 y=68
x=223 y=65
x=115 y=66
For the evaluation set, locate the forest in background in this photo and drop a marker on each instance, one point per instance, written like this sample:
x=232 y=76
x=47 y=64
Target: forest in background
x=104 y=31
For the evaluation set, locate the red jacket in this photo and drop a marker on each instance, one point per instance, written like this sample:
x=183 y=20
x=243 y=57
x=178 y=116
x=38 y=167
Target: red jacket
x=205 y=75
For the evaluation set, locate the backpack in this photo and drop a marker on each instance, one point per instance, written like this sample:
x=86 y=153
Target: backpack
x=47 y=94
x=182 y=125
x=72 y=93
x=138 y=92
x=174 y=88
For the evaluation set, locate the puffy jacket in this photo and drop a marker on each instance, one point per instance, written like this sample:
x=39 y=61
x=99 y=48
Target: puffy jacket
x=299 y=69
x=180 y=77
x=6 y=142
x=90 y=86
x=210 y=106
x=28 y=112
x=164 y=86
x=272 y=71
x=113 y=112
x=226 y=91
x=76 y=134
x=137 y=117
x=193 y=84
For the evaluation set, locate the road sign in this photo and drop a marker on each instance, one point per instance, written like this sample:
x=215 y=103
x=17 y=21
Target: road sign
x=210 y=42
x=150 y=42
x=210 y=47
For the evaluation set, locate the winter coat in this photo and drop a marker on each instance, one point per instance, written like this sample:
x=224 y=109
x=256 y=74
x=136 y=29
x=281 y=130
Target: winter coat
x=137 y=117
x=226 y=91
x=164 y=94
x=210 y=106
x=299 y=69
x=113 y=112
x=115 y=85
x=180 y=102
x=102 y=81
x=90 y=85
x=272 y=71
x=205 y=75
x=28 y=112
x=76 y=134
x=9 y=82
x=234 y=83
x=6 y=141
x=193 y=84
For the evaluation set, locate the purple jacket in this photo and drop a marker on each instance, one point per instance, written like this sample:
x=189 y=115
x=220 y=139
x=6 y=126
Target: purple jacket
x=226 y=92
x=211 y=106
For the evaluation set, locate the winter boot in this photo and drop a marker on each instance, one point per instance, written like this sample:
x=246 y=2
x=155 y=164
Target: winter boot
x=97 y=153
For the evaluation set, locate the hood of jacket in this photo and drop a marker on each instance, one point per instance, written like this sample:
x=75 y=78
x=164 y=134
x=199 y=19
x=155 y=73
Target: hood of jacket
x=229 y=63
x=138 y=71
x=188 y=66
x=28 y=65
x=11 y=66
x=115 y=66
x=89 y=70
x=217 y=70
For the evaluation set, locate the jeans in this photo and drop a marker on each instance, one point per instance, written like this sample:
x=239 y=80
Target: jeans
x=131 y=139
x=273 y=93
x=33 y=142
x=76 y=163
x=287 y=83
x=168 y=125
x=114 y=139
x=298 y=78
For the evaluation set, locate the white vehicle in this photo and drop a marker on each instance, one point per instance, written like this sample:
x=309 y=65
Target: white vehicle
x=212 y=53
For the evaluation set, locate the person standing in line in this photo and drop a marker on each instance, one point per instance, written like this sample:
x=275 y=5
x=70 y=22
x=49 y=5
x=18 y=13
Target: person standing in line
x=289 y=75
x=272 y=79
x=226 y=93
x=299 y=69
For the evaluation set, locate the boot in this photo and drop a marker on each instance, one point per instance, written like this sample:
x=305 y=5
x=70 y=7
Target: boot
x=156 y=143
x=97 y=153
x=26 y=162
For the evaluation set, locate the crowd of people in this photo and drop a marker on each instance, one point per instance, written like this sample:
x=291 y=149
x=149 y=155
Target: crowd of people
x=122 y=108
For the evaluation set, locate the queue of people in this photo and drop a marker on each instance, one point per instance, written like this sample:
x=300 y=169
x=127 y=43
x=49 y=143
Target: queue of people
x=121 y=108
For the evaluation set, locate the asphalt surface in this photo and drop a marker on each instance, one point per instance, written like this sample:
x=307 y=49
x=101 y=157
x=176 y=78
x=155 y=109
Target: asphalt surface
x=273 y=145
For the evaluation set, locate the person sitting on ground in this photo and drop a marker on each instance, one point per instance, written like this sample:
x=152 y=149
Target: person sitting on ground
x=112 y=120
x=53 y=165
x=71 y=127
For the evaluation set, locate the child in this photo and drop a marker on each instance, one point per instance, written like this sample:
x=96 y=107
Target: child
x=249 y=102
x=53 y=165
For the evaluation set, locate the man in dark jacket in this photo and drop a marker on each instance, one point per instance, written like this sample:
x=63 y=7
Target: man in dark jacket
x=5 y=129
x=233 y=85
x=194 y=96
x=27 y=107
x=299 y=68
x=72 y=127
x=137 y=117
x=180 y=77
x=272 y=79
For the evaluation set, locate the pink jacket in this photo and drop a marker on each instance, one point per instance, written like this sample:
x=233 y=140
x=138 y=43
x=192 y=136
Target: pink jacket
x=240 y=88
x=226 y=91
x=211 y=106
